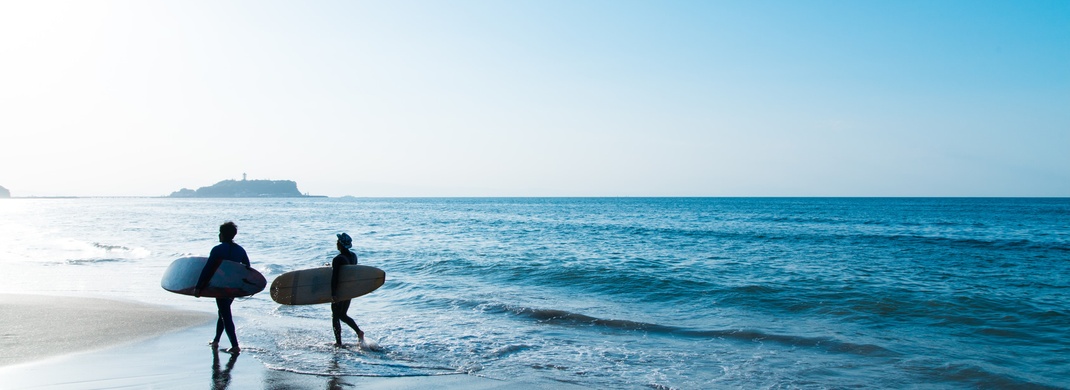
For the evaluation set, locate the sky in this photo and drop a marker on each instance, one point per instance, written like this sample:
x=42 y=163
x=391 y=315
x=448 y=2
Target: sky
x=537 y=98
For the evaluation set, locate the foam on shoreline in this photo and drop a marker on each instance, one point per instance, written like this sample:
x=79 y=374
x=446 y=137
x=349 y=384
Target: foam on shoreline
x=59 y=342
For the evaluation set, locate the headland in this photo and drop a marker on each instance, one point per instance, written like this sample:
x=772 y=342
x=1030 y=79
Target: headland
x=245 y=189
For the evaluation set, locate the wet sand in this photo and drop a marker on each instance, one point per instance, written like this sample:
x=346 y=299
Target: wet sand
x=77 y=343
x=33 y=327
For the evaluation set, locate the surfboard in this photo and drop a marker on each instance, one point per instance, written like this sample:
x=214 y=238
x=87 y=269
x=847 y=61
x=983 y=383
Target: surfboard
x=231 y=279
x=312 y=286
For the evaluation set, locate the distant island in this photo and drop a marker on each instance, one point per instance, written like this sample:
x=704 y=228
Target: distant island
x=244 y=189
x=4 y=193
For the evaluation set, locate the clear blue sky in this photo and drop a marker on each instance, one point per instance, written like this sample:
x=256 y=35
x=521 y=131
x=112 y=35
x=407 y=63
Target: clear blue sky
x=538 y=98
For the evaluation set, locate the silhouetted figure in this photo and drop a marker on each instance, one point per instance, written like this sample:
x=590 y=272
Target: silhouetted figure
x=221 y=378
x=339 y=308
x=226 y=250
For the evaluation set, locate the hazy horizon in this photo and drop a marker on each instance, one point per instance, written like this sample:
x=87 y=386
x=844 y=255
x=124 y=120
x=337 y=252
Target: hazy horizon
x=538 y=98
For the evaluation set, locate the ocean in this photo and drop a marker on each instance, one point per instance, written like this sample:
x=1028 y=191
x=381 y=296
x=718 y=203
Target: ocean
x=662 y=293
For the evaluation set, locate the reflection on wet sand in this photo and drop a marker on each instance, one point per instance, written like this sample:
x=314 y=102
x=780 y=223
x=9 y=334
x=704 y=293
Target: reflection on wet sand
x=221 y=377
x=336 y=382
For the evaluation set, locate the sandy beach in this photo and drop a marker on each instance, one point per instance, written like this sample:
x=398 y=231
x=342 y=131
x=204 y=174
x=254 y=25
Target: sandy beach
x=36 y=326
x=51 y=342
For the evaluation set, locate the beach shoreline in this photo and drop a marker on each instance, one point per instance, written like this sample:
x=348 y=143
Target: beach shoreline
x=37 y=327
x=130 y=344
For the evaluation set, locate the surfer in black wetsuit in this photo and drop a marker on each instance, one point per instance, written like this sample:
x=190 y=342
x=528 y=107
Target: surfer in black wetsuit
x=339 y=308
x=226 y=250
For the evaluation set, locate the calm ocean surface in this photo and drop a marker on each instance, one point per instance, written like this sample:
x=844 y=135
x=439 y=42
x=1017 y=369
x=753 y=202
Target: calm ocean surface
x=687 y=293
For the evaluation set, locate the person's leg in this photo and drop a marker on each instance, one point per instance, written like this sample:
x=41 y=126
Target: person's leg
x=218 y=323
x=227 y=319
x=335 y=323
x=218 y=330
x=343 y=307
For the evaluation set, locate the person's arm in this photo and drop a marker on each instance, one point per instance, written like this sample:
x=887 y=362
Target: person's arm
x=209 y=269
x=336 y=271
x=243 y=257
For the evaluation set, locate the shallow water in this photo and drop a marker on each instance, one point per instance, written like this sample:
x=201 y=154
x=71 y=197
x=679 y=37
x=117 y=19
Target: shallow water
x=610 y=292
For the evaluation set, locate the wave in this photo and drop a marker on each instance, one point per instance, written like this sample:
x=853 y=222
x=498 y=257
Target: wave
x=747 y=228
x=92 y=261
x=936 y=371
x=578 y=320
x=274 y=269
x=800 y=231
x=111 y=248
x=75 y=252
x=318 y=372
x=867 y=240
x=975 y=243
x=296 y=350
x=973 y=375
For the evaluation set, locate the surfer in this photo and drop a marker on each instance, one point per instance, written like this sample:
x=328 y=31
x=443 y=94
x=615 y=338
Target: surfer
x=226 y=250
x=339 y=308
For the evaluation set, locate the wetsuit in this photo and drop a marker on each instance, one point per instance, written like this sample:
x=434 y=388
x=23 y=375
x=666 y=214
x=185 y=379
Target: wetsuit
x=231 y=252
x=339 y=309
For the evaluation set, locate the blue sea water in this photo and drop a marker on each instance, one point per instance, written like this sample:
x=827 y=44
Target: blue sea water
x=665 y=293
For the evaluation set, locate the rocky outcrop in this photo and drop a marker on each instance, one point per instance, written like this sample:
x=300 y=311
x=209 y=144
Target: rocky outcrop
x=243 y=189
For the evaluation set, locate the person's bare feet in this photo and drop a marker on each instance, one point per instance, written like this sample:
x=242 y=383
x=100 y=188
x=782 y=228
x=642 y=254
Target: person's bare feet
x=214 y=344
x=233 y=350
x=360 y=336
